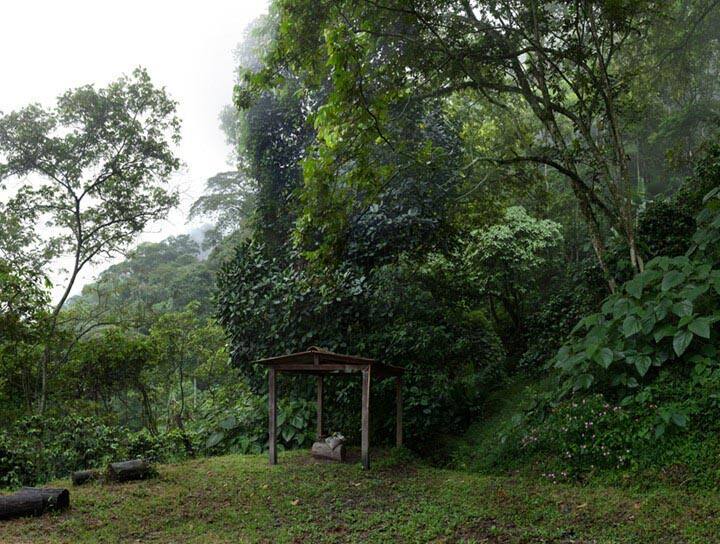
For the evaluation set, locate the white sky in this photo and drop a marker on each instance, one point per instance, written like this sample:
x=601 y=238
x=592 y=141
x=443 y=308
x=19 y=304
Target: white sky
x=47 y=47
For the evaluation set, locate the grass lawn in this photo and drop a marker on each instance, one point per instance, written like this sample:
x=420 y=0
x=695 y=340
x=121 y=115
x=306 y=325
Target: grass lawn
x=239 y=498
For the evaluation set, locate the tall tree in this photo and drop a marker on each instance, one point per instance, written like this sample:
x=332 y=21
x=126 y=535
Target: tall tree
x=571 y=62
x=103 y=159
x=229 y=201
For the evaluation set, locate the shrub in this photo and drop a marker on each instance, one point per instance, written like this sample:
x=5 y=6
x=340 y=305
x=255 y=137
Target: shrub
x=238 y=423
x=404 y=313
x=37 y=450
x=589 y=435
x=663 y=316
x=583 y=435
x=650 y=356
x=575 y=296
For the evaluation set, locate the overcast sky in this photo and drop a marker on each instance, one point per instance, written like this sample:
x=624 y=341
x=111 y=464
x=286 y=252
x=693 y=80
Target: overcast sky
x=51 y=46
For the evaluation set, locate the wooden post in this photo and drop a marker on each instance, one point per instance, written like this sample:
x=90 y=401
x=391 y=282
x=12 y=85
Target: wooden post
x=319 y=406
x=365 y=431
x=272 y=419
x=398 y=412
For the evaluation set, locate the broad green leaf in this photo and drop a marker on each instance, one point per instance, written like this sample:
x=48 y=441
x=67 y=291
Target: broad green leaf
x=663 y=331
x=682 y=308
x=701 y=327
x=679 y=419
x=229 y=423
x=583 y=381
x=591 y=350
x=621 y=307
x=648 y=322
x=631 y=326
x=605 y=357
x=672 y=279
x=635 y=287
x=562 y=355
x=692 y=292
x=642 y=364
x=298 y=422
x=685 y=320
x=681 y=341
x=288 y=433
x=214 y=439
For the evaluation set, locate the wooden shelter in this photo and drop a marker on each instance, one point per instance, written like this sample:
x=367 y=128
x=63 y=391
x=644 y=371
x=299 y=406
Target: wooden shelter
x=320 y=362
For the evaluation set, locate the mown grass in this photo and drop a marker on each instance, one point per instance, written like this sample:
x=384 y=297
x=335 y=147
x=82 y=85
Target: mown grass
x=239 y=498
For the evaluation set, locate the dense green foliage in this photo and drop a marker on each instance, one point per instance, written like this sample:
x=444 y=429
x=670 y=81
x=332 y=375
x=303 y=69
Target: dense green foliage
x=103 y=159
x=486 y=193
x=408 y=314
x=38 y=450
x=638 y=384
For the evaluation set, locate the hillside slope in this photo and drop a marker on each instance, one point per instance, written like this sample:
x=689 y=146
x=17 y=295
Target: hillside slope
x=241 y=499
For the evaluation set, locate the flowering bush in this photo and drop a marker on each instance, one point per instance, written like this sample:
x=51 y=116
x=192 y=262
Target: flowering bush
x=583 y=435
x=588 y=435
x=660 y=327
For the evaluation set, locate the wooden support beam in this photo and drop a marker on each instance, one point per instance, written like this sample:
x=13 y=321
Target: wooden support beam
x=319 y=407
x=365 y=430
x=272 y=416
x=398 y=412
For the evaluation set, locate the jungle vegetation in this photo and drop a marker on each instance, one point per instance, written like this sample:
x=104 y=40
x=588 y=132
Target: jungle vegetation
x=517 y=201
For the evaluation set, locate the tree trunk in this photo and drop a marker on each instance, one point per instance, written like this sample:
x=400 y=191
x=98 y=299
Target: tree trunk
x=147 y=408
x=125 y=471
x=182 y=392
x=42 y=394
x=595 y=235
x=31 y=501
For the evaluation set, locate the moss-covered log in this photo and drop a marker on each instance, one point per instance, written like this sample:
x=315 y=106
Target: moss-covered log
x=84 y=476
x=137 y=469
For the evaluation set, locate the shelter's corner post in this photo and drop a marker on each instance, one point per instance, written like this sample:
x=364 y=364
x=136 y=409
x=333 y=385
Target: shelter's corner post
x=272 y=416
x=398 y=411
x=365 y=431
x=319 y=407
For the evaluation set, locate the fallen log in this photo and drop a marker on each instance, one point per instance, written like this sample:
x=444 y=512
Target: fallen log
x=125 y=471
x=323 y=450
x=81 y=477
x=33 y=501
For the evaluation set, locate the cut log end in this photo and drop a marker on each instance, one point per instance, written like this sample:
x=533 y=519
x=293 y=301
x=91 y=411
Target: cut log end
x=323 y=450
x=33 y=501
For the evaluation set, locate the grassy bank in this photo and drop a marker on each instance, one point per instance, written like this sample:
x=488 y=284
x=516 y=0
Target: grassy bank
x=241 y=499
